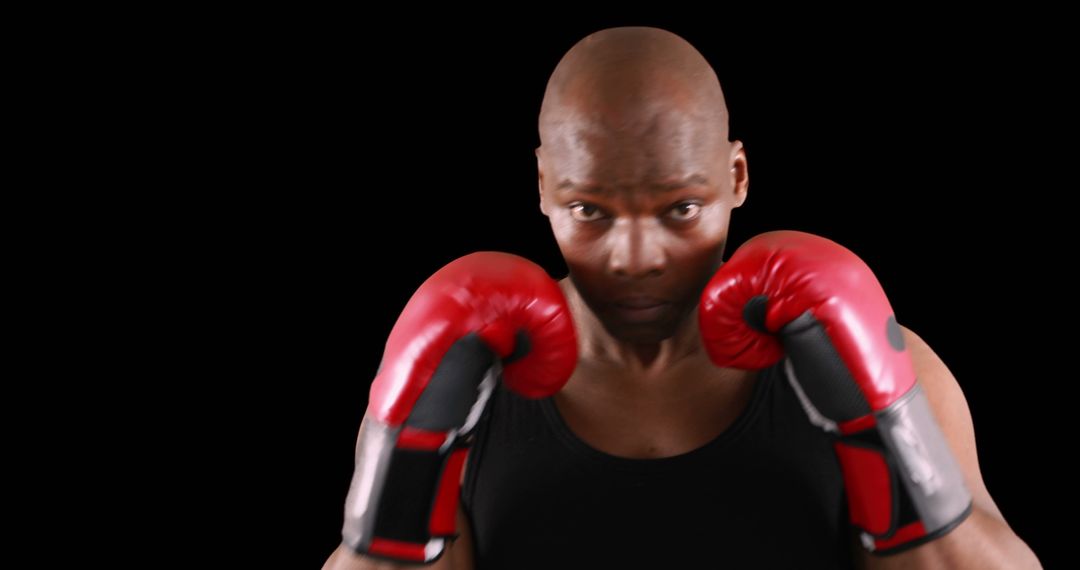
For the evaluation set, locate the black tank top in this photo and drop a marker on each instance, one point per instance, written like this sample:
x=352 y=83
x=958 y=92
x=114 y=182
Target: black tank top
x=766 y=493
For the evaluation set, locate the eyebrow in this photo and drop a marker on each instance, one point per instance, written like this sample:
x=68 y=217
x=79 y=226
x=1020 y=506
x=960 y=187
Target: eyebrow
x=664 y=186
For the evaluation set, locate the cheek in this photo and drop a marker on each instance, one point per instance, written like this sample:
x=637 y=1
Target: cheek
x=702 y=241
x=573 y=239
x=561 y=225
x=583 y=252
x=714 y=221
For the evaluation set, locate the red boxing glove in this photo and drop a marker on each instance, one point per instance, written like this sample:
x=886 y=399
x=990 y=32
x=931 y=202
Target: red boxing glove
x=803 y=297
x=484 y=316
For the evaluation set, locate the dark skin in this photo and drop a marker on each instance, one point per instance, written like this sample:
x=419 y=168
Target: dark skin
x=639 y=185
x=638 y=179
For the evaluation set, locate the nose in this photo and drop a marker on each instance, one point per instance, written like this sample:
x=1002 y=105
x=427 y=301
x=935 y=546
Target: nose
x=636 y=249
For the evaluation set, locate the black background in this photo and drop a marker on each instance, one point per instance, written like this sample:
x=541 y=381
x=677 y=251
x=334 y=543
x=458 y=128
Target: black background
x=351 y=158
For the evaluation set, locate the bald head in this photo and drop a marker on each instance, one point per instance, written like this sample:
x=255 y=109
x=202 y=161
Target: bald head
x=637 y=176
x=621 y=79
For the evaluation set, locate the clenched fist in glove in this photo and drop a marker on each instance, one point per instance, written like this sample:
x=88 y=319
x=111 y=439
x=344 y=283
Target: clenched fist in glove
x=797 y=296
x=483 y=317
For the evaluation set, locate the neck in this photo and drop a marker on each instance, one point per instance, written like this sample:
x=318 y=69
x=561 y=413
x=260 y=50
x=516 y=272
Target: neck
x=637 y=360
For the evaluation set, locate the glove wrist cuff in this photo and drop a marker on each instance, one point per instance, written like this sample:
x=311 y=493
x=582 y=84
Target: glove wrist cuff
x=904 y=484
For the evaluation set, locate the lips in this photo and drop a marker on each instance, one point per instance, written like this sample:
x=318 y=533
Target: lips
x=639 y=302
x=640 y=309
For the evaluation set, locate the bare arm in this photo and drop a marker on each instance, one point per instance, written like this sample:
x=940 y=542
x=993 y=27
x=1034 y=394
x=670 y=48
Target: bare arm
x=458 y=554
x=984 y=540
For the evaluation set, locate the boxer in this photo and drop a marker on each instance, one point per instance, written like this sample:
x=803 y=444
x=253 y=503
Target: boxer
x=765 y=412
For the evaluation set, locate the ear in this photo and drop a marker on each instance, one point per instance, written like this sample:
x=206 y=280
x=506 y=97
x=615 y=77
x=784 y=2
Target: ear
x=540 y=181
x=740 y=173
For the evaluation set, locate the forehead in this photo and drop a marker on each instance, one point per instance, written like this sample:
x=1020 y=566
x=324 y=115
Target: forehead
x=655 y=146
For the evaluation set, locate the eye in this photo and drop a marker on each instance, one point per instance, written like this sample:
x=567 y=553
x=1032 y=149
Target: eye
x=585 y=212
x=686 y=211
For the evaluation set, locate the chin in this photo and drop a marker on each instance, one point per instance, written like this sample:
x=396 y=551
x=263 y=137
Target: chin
x=641 y=333
x=642 y=336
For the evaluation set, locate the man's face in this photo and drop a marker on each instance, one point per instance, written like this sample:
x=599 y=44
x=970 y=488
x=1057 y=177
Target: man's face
x=641 y=215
